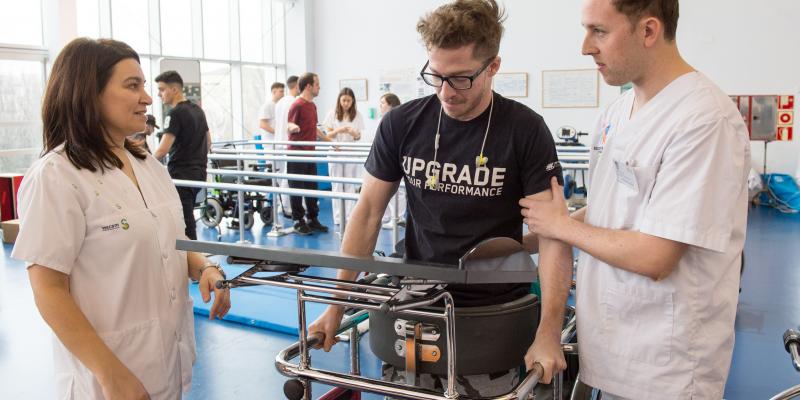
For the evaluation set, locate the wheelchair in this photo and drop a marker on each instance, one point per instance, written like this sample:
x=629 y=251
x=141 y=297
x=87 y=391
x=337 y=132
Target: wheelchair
x=221 y=203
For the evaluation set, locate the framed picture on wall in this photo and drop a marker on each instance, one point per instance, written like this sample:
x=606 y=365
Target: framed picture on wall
x=575 y=88
x=359 y=87
x=511 y=84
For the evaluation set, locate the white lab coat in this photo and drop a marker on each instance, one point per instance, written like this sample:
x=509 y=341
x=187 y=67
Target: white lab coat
x=676 y=170
x=343 y=170
x=124 y=272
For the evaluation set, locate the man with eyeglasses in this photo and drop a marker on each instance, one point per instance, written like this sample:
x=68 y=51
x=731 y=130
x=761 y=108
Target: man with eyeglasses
x=467 y=155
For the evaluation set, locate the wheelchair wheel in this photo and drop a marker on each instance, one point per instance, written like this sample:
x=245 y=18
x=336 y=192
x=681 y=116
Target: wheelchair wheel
x=212 y=213
x=249 y=220
x=266 y=215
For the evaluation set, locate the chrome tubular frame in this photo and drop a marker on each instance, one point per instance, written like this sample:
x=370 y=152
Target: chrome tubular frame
x=366 y=296
x=791 y=341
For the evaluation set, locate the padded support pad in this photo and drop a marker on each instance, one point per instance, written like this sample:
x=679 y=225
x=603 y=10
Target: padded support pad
x=489 y=339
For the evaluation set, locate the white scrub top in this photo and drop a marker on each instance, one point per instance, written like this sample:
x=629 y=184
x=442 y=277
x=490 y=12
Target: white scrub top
x=125 y=275
x=331 y=122
x=267 y=112
x=676 y=170
x=282 y=117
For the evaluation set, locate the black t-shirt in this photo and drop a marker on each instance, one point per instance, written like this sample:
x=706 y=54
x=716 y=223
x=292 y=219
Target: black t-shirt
x=469 y=204
x=189 y=153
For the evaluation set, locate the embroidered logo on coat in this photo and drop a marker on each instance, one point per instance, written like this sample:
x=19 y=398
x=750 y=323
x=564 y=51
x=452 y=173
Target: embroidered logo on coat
x=111 y=227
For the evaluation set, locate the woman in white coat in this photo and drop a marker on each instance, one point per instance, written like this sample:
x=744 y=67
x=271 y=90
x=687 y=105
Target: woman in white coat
x=344 y=124
x=99 y=221
x=387 y=103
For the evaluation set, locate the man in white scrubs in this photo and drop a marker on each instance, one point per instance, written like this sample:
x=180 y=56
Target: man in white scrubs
x=661 y=237
x=266 y=115
x=282 y=134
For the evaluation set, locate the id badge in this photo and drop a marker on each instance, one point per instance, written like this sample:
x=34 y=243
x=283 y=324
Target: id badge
x=625 y=175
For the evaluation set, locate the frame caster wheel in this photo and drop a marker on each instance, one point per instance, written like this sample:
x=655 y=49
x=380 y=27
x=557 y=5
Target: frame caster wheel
x=293 y=389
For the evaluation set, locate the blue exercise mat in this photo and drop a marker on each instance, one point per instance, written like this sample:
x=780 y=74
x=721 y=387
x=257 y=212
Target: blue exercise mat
x=266 y=307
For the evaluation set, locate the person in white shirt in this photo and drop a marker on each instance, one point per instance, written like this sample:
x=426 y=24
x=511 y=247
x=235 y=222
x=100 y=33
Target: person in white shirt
x=99 y=220
x=343 y=124
x=266 y=116
x=282 y=134
x=387 y=102
x=662 y=234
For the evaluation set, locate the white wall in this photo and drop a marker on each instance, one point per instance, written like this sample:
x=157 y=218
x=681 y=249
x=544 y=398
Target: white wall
x=299 y=37
x=735 y=42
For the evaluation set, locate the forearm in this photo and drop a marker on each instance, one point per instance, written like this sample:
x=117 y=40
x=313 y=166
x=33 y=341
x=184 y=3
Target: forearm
x=628 y=250
x=579 y=215
x=164 y=146
x=160 y=153
x=531 y=243
x=70 y=325
x=362 y=230
x=195 y=262
x=361 y=235
x=555 y=276
x=263 y=124
x=323 y=136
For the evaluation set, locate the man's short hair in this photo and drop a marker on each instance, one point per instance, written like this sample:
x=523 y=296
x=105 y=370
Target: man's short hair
x=276 y=85
x=291 y=82
x=170 y=77
x=305 y=80
x=664 y=10
x=464 y=22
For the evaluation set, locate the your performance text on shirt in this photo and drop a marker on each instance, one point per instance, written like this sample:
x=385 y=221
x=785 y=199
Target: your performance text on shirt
x=467 y=180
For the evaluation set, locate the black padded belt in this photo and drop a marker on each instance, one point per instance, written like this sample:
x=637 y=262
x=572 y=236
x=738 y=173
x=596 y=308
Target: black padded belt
x=488 y=339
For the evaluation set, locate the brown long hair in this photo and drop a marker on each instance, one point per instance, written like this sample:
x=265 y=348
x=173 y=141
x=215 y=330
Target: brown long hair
x=71 y=108
x=340 y=112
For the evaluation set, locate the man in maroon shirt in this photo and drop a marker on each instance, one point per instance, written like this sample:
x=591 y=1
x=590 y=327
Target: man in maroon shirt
x=303 y=114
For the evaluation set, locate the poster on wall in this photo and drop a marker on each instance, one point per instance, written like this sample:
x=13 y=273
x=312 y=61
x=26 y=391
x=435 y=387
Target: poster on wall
x=359 y=87
x=575 y=88
x=511 y=84
x=405 y=83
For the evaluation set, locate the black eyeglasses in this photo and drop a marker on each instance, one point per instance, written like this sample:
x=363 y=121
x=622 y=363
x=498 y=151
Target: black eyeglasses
x=457 y=82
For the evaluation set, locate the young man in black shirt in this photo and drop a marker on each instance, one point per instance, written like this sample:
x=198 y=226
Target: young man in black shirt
x=466 y=155
x=187 y=140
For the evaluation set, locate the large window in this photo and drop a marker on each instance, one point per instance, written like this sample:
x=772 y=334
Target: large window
x=240 y=45
x=21 y=87
x=176 y=31
x=253 y=96
x=21 y=22
x=22 y=58
x=216 y=30
x=215 y=89
x=88 y=18
x=130 y=23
